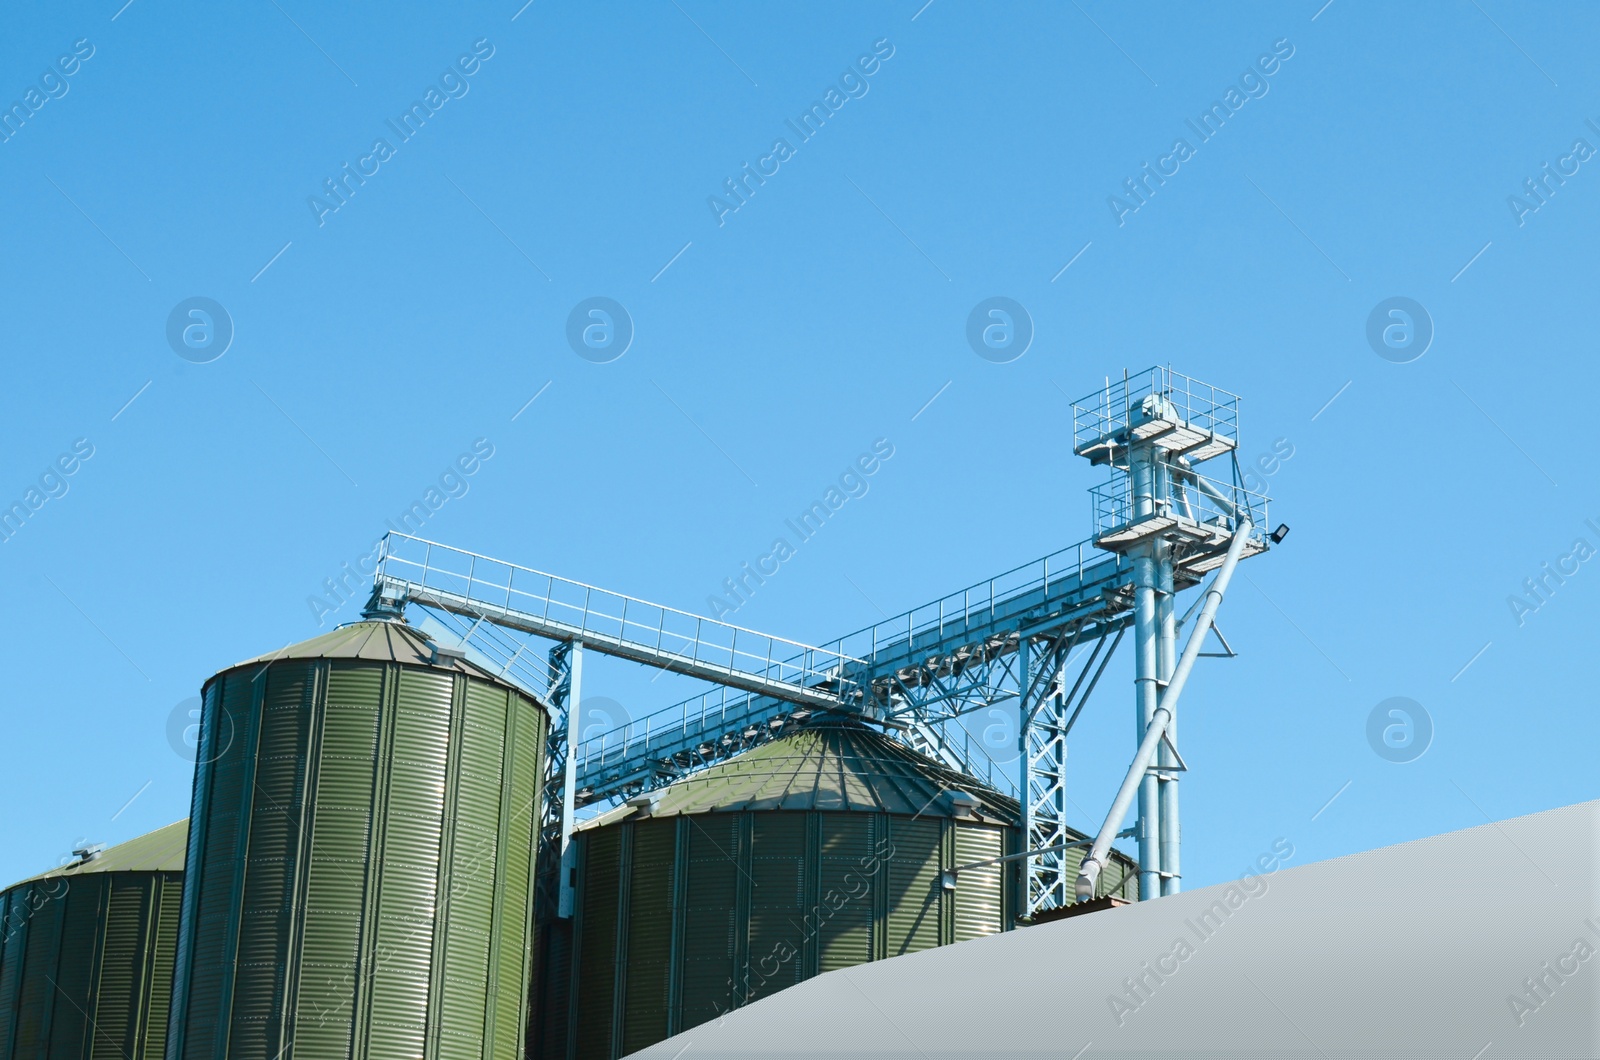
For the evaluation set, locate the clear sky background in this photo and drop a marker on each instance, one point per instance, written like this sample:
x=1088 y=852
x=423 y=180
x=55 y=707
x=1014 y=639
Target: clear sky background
x=372 y=349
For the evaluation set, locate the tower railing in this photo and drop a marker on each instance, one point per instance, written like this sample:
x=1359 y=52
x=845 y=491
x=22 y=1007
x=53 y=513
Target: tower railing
x=1109 y=413
x=959 y=618
x=1190 y=503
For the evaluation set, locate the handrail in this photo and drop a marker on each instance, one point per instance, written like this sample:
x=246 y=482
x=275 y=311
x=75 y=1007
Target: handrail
x=548 y=595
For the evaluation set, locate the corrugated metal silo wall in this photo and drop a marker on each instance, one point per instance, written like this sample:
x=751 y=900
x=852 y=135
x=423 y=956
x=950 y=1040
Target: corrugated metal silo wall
x=360 y=860
x=682 y=918
x=86 y=965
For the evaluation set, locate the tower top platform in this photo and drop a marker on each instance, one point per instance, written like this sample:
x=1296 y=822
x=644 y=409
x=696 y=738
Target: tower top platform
x=1159 y=407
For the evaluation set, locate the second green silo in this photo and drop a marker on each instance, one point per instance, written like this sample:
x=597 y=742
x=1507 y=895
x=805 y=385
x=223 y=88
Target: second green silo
x=86 y=953
x=361 y=856
x=824 y=849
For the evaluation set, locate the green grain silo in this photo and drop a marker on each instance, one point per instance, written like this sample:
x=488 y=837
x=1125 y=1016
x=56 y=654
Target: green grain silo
x=820 y=850
x=86 y=954
x=361 y=856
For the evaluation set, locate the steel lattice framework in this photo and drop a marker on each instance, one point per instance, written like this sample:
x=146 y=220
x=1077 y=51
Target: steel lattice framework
x=1036 y=639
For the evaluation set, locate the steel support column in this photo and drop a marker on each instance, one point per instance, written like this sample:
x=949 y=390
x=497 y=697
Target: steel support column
x=1166 y=760
x=1042 y=784
x=569 y=782
x=1143 y=464
x=1049 y=708
x=560 y=781
x=1025 y=795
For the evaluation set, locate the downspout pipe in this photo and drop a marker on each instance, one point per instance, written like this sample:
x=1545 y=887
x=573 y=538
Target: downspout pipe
x=1090 y=870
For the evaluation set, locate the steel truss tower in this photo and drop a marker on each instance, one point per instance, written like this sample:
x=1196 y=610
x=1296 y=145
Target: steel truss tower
x=1033 y=641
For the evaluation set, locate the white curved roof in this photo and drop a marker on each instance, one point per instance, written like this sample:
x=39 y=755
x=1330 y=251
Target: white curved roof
x=1416 y=950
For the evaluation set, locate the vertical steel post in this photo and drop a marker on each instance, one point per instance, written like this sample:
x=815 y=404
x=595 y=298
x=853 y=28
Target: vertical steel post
x=569 y=785
x=1025 y=775
x=1142 y=469
x=1167 y=779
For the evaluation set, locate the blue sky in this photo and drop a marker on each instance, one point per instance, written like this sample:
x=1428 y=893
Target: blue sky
x=977 y=160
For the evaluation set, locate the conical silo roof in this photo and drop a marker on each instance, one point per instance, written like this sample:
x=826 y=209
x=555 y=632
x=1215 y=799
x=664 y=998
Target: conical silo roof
x=376 y=640
x=832 y=766
x=159 y=851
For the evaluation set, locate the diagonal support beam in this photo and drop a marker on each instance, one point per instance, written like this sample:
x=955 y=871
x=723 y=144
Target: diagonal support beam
x=1087 y=692
x=1095 y=862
